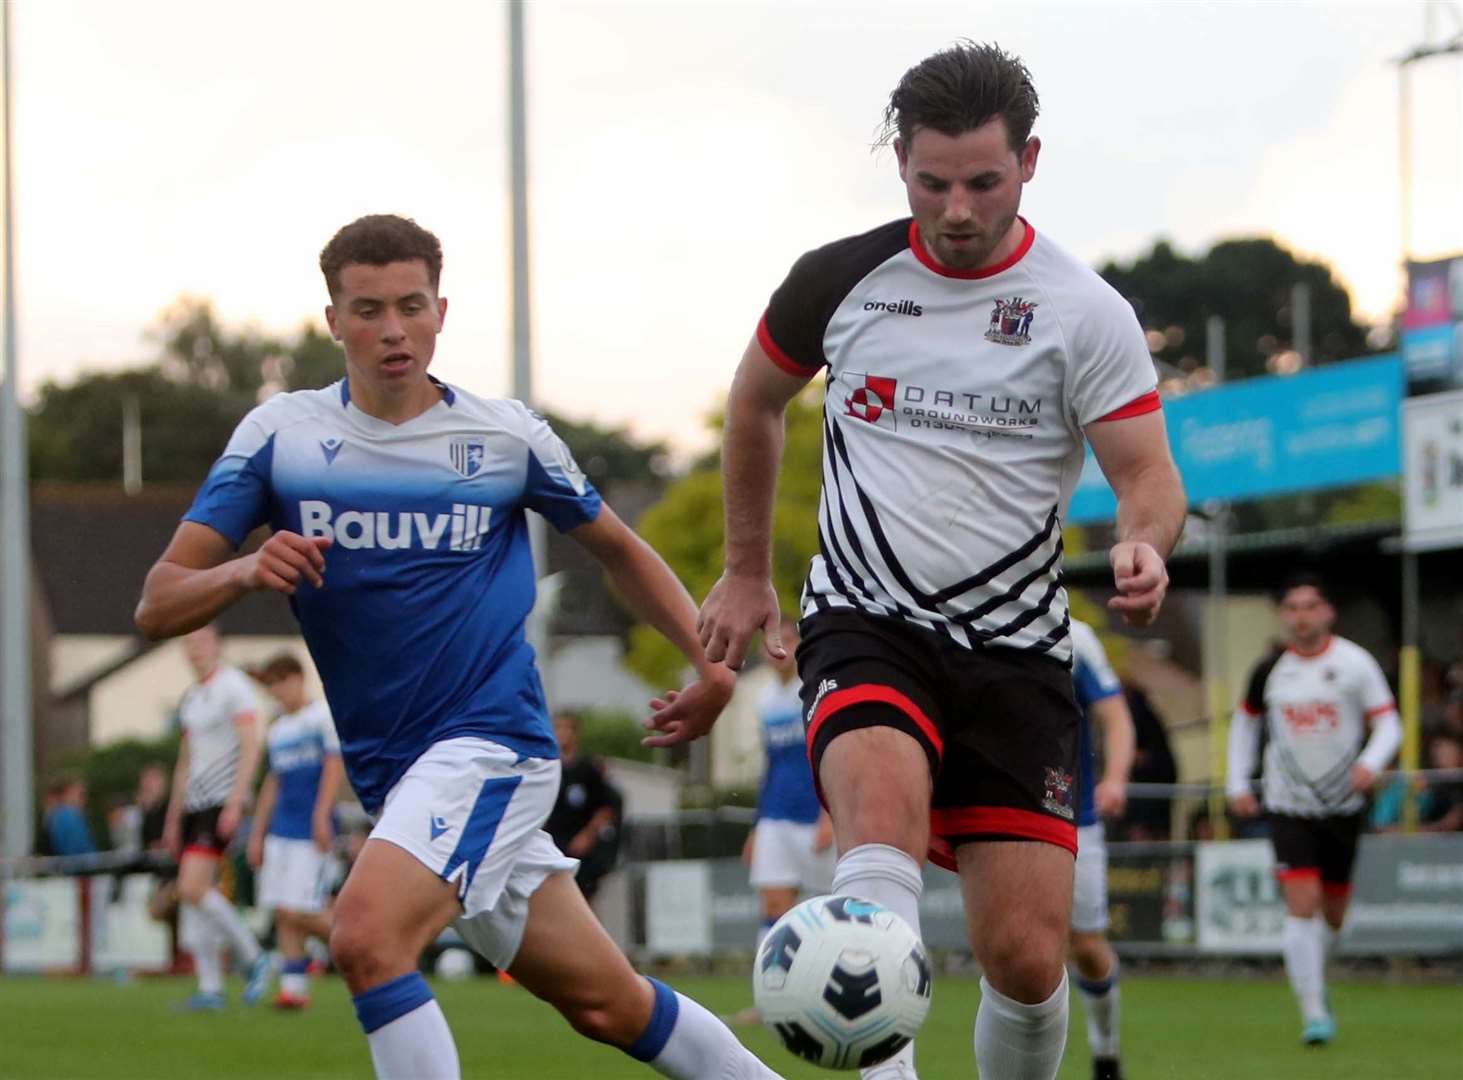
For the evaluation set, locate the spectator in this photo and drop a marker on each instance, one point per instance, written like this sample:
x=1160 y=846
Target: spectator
x=1442 y=800
x=585 y=821
x=65 y=820
x=1148 y=818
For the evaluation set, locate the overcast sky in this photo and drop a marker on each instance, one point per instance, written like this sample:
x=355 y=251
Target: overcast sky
x=681 y=157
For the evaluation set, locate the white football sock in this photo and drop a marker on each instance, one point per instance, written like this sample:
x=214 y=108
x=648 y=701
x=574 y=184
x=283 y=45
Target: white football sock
x=1100 y=998
x=1015 y=1041
x=407 y=1032
x=686 y=1042
x=887 y=876
x=1305 y=965
x=196 y=932
x=293 y=979
x=225 y=918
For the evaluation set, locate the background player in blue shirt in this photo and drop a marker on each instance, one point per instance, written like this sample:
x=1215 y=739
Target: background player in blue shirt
x=399 y=534
x=293 y=841
x=1100 y=696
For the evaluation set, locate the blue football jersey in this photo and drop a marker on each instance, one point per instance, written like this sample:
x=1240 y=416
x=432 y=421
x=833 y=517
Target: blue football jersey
x=1093 y=679
x=297 y=746
x=787 y=787
x=417 y=631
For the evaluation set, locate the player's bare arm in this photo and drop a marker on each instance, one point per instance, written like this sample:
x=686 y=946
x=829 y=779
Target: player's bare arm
x=199 y=575
x=250 y=744
x=332 y=775
x=657 y=596
x=263 y=812
x=1119 y=739
x=1135 y=458
x=173 y=819
x=743 y=601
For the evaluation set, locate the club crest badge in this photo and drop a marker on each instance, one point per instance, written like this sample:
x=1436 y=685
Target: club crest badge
x=468 y=453
x=1011 y=322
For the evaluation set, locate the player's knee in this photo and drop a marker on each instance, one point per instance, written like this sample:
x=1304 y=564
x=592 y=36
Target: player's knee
x=1026 y=965
x=360 y=953
x=1090 y=954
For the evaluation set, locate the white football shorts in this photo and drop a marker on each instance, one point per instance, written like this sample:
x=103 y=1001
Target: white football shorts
x=783 y=858
x=295 y=875
x=1089 y=883
x=472 y=811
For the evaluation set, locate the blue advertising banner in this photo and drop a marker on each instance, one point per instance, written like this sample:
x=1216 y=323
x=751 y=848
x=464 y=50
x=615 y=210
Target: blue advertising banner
x=1330 y=427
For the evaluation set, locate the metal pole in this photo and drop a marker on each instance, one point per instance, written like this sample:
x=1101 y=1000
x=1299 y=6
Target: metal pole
x=1404 y=142
x=17 y=803
x=131 y=445
x=1218 y=651
x=1300 y=320
x=518 y=168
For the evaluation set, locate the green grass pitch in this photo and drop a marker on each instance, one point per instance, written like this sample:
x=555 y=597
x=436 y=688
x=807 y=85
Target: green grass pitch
x=1173 y=1029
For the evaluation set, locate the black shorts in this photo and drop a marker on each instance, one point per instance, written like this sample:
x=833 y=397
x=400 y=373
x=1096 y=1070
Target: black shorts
x=999 y=726
x=200 y=832
x=1321 y=847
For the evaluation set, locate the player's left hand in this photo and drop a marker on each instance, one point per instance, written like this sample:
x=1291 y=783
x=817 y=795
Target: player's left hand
x=687 y=714
x=323 y=833
x=1362 y=779
x=1141 y=580
x=1111 y=798
x=228 y=820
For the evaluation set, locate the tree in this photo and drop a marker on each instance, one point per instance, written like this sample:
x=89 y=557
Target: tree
x=686 y=527
x=1248 y=284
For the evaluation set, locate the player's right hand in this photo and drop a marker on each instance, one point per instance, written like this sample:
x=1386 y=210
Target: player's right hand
x=255 y=851
x=1245 y=805
x=735 y=609
x=284 y=561
x=173 y=837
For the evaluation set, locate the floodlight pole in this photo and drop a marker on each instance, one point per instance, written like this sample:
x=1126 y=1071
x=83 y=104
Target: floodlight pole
x=1217 y=661
x=17 y=802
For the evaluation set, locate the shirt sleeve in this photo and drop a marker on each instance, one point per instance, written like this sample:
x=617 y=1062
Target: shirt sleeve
x=790 y=332
x=1112 y=374
x=1376 y=695
x=234 y=499
x=328 y=735
x=1093 y=678
x=241 y=697
x=555 y=485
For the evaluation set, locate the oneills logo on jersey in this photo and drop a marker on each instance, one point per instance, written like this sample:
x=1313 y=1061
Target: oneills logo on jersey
x=871 y=398
x=468 y=454
x=1011 y=322
x=463 y=529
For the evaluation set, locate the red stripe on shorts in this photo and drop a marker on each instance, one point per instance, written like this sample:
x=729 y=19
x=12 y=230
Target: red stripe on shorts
x=1027 y=824
x=858 y=695
x=200 y=849
x=1298 y=873
x=1336 y=888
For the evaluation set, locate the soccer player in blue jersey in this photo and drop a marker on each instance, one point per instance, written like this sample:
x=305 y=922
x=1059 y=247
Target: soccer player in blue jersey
x=294 y=830
x=1100 y=696
x=397 y=505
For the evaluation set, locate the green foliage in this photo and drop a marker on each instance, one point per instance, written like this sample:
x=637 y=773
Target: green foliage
x=687 y=528
x=1248 y=284
x=611 y=733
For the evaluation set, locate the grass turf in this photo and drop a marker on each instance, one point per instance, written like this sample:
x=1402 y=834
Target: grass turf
x=1183 y=1029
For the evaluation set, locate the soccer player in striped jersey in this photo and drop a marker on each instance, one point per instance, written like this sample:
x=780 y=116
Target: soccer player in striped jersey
x=212 y=781
x=968 y=357
x=398 y=506
x=1100 y=697
x=294 y=830
x=1332 y=726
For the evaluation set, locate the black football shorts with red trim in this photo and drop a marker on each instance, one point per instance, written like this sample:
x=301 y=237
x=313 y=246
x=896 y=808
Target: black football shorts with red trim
x=200 y=831
x=1320 y=847
x=999 y=726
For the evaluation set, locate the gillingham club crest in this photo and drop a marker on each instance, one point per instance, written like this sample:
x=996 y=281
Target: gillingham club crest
x=468 y=453
x=1011 y=322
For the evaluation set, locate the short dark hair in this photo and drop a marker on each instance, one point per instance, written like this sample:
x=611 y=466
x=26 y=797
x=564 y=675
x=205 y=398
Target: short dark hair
x=1303 y=579
x=960 y=89
x=378 y=239
x=280 y=666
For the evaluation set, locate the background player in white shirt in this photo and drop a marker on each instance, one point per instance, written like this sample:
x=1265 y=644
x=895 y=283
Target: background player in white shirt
x=968 y=356
x=212 y=781
x=1100 y=696
x=398 y=505
x=1316 y=699
x=293 y=840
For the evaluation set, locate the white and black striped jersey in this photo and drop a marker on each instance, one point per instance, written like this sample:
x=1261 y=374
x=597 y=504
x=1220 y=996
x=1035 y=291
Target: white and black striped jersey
x=953 y=421
x=1316 y=710
x=207 y=713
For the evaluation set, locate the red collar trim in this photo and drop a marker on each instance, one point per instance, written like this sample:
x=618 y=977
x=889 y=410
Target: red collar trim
x=917 y=246
x=1325 y=646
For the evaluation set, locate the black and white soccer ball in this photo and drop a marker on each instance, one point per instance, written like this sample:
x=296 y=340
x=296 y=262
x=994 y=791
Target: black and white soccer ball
x=843 y=983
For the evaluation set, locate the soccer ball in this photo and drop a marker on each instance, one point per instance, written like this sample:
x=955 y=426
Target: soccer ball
x=843 y=983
